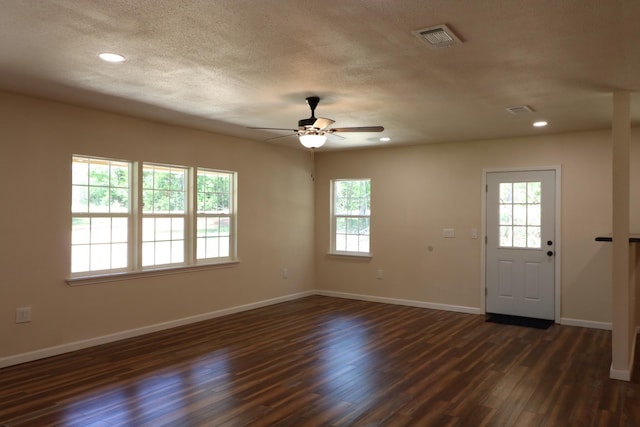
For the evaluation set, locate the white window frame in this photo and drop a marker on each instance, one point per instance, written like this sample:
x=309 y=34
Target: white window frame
x=136 y=215
x=230 y=215
x=106 y=214
x=336 y=216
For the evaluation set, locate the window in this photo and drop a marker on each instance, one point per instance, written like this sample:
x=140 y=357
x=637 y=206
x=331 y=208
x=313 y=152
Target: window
x=101 y=214
x=350 y=218
x=185 y=216
x=164 y=214
x=214 y=220
x=520 y=215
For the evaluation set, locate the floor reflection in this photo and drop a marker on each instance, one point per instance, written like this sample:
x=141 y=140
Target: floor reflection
x=349 y=366
x=155 y=397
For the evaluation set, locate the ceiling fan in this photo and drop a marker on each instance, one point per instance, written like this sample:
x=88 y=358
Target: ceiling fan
x=313 y=131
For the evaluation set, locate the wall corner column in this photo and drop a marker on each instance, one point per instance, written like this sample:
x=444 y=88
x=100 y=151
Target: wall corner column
x=622 y=324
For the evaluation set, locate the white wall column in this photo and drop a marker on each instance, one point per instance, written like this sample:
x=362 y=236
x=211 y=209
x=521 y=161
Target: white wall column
x=622 y=324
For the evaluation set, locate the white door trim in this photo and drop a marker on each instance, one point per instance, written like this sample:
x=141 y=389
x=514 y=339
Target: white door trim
x=558 y=234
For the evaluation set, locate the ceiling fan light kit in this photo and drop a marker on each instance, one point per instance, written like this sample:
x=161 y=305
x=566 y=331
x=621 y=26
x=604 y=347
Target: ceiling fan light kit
x=312 y=132
x=312 y=140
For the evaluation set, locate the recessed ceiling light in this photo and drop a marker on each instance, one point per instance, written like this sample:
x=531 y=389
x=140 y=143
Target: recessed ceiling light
x=540 y=124
x=385 y=139
x=111 y=57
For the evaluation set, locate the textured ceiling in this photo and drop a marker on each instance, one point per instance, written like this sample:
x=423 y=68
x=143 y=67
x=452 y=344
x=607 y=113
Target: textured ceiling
x=223 y=65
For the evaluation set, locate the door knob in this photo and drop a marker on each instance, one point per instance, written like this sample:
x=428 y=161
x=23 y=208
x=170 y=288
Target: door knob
x=549 y=243
x=550 y=253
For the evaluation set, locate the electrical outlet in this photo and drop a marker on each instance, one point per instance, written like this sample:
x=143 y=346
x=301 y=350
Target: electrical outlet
x=379 y=274
x=448 y=232
x=285 y=273
x=23 y=314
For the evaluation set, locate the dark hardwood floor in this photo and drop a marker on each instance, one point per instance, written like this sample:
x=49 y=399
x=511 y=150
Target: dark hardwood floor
x=326 y=361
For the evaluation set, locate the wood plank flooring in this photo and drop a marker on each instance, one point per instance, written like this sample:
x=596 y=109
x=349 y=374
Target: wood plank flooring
x=323 y=361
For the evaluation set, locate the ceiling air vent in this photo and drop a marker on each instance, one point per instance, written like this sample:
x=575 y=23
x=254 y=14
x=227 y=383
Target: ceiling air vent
x=520 y=109
x=437 y=37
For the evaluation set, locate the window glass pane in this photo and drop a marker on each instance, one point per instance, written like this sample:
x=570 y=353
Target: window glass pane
x=225 y=246
x=119 y=174
x=119 y=200
x=533 y=237
x=177 y=228
x=163 y=229
x=148 y=229
x=519 y=237
x=352 y=243
x=506 y=236
x=363 y=243
x=341 y=225
x=147 y=178
x=161 y=201
x=98 y=199
x=533 y=192
x=163 y=253
x=225 y=226
x=100 y=231
x=519 y=214
x=341 y=242
x=506 y=214
x=533 y=215
x=148 y=253
x=79 y=199
x=177 y=251
x=80 y=258
x=119 y=230
x=147 y=201
x=519 y=192
x=99 y=173
x=80 y=231
x=201 y=247
x=212 y=247
x=177 y=202
x=506 y=190
x=119 y=255
x=177 y=180
x=100 y=257
x=80 y=171
x=352 y=225
x=363 y=226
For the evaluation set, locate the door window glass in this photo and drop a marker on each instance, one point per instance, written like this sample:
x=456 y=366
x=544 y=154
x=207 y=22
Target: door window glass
x=520 y=215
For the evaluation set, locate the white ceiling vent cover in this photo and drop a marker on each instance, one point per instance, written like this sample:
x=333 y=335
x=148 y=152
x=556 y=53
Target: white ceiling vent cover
x=520 y=109
x=437 y=37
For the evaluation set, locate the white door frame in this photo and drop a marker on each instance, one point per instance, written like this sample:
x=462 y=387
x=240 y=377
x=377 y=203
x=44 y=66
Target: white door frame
x=557 y=239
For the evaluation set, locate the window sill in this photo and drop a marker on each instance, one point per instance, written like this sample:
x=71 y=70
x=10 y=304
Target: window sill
x=351 y=255
x=129 y=275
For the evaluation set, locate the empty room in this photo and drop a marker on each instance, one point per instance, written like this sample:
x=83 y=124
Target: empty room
x=336 y=213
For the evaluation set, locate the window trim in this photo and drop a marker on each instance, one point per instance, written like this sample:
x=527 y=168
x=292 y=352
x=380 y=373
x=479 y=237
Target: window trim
x=135 y=269
x=332 y=226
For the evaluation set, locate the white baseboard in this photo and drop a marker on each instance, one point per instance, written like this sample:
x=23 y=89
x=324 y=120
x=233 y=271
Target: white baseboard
x=104 y=339
x=625 y=374
x=585 y=323
x=396 y=301
x=617 y=374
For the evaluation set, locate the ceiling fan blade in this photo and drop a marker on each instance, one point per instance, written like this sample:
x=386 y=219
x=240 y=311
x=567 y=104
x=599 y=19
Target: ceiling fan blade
x=290 y=130
x=323 y=123
x=278 y=137
x=358 y=129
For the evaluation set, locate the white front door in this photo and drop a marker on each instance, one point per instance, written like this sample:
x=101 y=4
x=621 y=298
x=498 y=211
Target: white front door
x=520 y=252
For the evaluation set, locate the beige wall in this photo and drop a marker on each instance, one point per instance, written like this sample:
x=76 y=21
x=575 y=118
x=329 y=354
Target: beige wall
x=418 y=191
x=38 y=139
